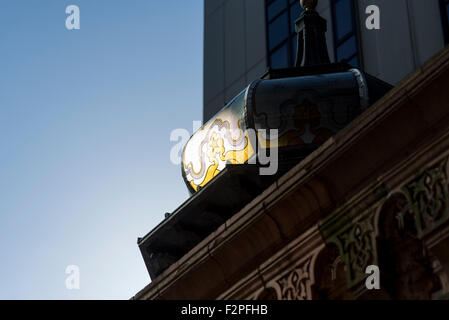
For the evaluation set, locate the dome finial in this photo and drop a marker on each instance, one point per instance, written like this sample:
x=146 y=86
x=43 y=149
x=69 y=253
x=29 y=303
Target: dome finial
x=311 y=29
x=309 y=4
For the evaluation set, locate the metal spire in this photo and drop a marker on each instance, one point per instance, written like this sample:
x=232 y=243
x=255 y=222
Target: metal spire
x=311 y=29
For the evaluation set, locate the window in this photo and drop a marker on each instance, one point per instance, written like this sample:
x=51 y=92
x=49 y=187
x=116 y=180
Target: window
x=345 y=32
x=281 y=36
x=444 y=4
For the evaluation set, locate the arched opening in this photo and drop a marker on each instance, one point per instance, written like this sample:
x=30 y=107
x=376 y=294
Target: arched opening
x=330 y=276
x=405 y=264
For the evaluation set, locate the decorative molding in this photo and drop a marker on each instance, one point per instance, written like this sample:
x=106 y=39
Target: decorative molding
x=353 y=229
x=287 y=275
x=296 y=283
x=357 y=246
x=428 y=198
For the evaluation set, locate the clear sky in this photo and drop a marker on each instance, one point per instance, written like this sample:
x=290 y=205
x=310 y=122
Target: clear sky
x=85 y=123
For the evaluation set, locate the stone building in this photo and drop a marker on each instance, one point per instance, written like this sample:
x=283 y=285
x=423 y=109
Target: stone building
x=374 y=193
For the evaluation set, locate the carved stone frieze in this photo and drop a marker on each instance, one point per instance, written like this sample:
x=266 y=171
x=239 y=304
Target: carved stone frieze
x=428 y=198
x=296 y=285
x=357 y=248
x=296 y=282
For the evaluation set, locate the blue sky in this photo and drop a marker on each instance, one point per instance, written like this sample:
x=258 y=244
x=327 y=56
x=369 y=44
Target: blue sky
x=85 y=123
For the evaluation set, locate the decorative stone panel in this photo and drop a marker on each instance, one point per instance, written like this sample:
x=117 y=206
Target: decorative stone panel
x=357 y=246
x=428 y=198
x=296 y=283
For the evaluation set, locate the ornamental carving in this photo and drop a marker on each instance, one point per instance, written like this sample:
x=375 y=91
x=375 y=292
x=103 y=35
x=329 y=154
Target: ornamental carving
x=357 y=248
x=428 y=198
x=297 y=284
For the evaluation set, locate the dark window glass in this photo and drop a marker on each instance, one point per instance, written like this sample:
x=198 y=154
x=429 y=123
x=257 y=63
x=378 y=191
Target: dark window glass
x=294 y=46
x=347 y=49
x=295 y=13
x=275 y=7
x=278 y=31
x=354 y=62
x=280 y=58
x=345 y=32
x=281 y=17
x=344 y=18
x=444 y=4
